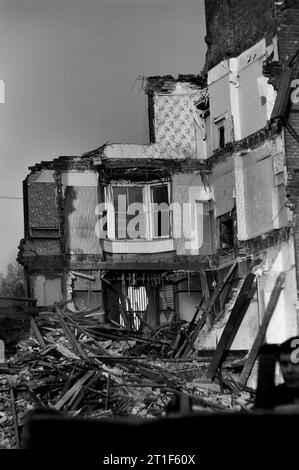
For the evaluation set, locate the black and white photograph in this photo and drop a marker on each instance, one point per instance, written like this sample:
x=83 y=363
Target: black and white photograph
x=149 y=211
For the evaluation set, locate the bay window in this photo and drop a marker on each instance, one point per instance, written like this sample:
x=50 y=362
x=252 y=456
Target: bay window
x=139 y=212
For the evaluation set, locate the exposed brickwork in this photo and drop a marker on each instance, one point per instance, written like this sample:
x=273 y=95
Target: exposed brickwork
x=292 y=153
x=236 y=25
x=288 y=32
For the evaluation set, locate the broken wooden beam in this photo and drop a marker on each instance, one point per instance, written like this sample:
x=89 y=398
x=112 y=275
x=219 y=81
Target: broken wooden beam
x=83 y=276
x=72 y=393
x=15 y=417
x=86 y=333
x=107 y=400
x=263 y=328
x=234 y=321
x=194 y=334
x=70 y=335
x=37 y=333
x=204 y=285
x=216 y=295
x=19 y=299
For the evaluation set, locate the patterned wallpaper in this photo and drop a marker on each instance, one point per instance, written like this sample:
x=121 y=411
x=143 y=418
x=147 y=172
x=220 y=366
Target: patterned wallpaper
x=174 y=123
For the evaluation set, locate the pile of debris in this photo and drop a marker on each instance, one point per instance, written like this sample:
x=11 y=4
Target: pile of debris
x=74 y=363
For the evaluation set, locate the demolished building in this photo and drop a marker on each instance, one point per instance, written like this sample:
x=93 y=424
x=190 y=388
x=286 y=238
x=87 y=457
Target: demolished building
x=216 y=192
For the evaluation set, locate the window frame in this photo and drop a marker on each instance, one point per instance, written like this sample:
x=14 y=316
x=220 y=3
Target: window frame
x=148 y=211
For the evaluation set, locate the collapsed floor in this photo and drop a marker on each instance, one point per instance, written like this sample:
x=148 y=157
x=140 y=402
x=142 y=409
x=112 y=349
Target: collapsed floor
x=73 y=363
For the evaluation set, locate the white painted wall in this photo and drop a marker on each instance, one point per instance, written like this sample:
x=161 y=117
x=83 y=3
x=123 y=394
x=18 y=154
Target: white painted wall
x=259 y=205
x=238 y=89
x=284 y=323
x=187 y=304
x=220 y=102
x=76 y=178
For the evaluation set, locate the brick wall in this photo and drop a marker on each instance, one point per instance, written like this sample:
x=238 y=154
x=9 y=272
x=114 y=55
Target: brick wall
x=288 y=32
x=288 y=45
x=235 y=25
x=292 y=153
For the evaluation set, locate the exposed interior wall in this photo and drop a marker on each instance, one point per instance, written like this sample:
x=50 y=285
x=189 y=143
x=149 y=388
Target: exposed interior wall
x=188 y=297
x=47 y=291
x=241 y=99
x=223 y=181
x=260 y=192
x=284 y=322
x=253 y=111
x=177 y=121
x=209 y=337
x=220 y=103
x=190 y=223
x=255 y=95
x=86 y=293
x=79 y=178
x=81 y=197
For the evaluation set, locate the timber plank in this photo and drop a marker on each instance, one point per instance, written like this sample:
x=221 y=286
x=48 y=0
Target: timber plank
x=263 y=328
x=235 y=319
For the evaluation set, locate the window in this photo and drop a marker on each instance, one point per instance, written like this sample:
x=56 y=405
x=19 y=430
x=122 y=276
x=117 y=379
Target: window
x=221 y=130
x=219 y=134
x=140 y=212
x=123 y=198
x=160 y=211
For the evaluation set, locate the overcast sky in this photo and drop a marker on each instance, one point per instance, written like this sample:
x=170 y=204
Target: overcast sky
x=69 y=67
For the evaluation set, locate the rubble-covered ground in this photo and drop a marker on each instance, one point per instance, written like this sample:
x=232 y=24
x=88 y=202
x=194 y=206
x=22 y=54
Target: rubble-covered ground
x=74 y=364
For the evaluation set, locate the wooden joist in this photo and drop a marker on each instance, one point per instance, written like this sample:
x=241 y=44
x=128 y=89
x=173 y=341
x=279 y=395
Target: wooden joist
x=210 y=304
x=69 y=334
x=73 y=392
x=15 y=417
x=263 y=328
x=204 y=285
x=86 y=333
x=232 y=326
x=37 y=333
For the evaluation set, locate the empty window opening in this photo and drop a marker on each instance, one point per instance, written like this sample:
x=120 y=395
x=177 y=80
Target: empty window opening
x=221 y=137
x=226 y=229
x=160 y=211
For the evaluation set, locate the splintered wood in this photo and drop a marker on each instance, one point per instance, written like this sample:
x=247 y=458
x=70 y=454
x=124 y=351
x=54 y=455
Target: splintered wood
x=75 y=364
